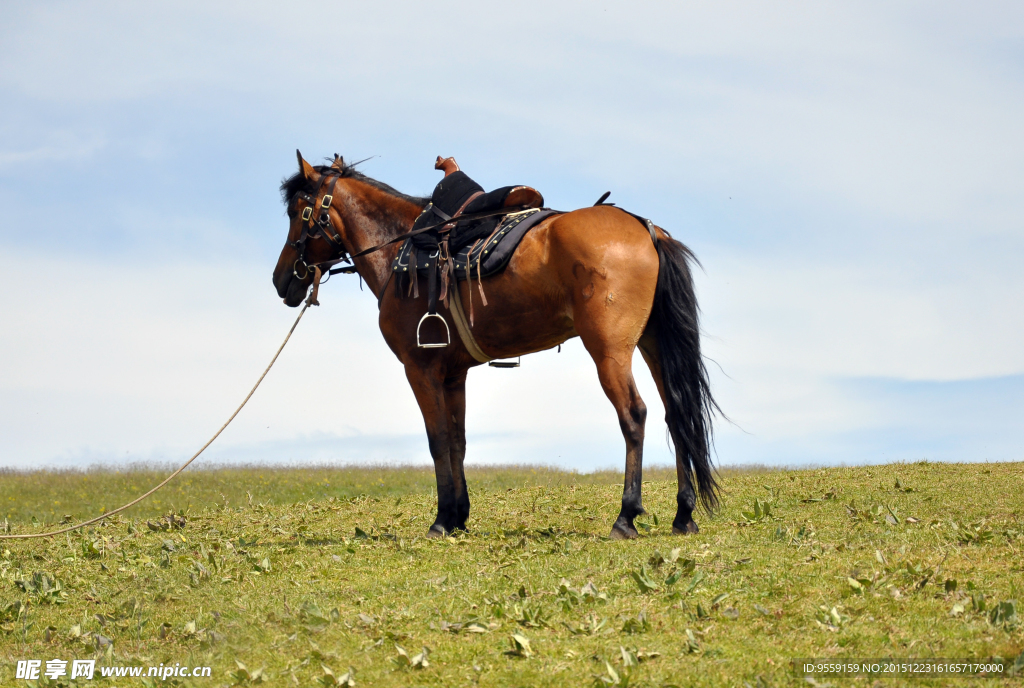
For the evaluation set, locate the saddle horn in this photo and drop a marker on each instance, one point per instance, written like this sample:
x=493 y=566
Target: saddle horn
x=446 y=165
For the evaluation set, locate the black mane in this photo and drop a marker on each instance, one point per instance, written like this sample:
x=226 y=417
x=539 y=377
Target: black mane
x=297 y=182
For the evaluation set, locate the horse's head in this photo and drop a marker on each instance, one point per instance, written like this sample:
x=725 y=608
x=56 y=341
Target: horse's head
x=333 y=211
x=315 y=227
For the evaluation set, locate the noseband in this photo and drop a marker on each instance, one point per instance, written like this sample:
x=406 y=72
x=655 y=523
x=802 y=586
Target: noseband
x=316 y=223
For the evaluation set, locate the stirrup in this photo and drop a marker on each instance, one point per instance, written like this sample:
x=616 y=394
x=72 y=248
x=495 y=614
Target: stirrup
x=433 y=345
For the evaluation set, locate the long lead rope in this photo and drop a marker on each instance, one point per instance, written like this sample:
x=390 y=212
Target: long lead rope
x=168 y=479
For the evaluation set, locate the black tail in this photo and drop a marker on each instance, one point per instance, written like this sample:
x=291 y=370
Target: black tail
x=688 y=401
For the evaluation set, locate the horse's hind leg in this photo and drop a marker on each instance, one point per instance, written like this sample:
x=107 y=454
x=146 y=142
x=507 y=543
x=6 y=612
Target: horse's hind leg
x=455 y=401
x=617 y=381
x=614 y=369
x=610 y=311
x=686 y=498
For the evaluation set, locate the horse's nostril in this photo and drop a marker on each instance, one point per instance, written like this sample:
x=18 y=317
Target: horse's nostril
x=281 y=280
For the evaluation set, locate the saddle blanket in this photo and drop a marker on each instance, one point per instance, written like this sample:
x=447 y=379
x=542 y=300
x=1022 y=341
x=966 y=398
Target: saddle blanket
x=485 y=257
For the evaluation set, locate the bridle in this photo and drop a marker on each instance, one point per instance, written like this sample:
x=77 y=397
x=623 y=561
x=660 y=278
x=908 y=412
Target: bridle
x=316 y=223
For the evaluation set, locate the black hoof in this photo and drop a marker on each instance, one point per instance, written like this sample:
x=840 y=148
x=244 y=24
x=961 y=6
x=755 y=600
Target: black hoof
x=437 y=531
x=622 y=529
x=688 y=528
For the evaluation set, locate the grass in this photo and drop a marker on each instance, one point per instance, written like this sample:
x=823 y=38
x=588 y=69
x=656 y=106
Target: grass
x=292 y=576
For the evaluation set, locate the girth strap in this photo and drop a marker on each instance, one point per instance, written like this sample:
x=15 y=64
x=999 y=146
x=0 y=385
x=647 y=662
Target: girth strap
x=462 y=325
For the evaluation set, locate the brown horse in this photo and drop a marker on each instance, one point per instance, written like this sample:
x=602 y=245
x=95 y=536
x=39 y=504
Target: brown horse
x=594 y=273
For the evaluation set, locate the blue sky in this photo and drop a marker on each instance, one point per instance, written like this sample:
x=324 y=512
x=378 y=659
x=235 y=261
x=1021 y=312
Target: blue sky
x=849 y=175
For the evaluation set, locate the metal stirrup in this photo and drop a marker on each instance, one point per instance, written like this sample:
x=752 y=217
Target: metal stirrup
x=433 y=345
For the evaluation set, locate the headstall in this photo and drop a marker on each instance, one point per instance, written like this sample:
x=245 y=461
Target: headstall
x=316 y=222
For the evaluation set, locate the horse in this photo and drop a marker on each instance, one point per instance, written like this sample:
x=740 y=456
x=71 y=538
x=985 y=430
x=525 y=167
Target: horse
x=595 y=273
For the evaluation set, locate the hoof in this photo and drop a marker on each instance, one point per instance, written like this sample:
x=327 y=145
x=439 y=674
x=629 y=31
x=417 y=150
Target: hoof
x=436 y=532
x=620 y=533
x=689 y=529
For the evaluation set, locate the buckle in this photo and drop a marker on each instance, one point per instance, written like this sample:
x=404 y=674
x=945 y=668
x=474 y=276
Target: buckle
x=307 y=213
x=327 y=201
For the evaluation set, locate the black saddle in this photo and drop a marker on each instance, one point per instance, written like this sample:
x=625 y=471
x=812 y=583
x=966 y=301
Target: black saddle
x=486 y=255
x=481 y=246
x=455 y=195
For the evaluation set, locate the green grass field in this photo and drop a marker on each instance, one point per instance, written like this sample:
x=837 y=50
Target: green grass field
x=293 y=576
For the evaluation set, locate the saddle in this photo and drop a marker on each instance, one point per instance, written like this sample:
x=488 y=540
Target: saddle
x=457 y=195
x=462 y=249
x=478 y=259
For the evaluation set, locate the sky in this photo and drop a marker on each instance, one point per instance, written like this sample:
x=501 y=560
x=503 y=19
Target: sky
x=850 y=176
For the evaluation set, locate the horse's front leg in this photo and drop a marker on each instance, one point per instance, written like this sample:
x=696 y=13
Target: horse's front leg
x=455 y=400
x=428 y=386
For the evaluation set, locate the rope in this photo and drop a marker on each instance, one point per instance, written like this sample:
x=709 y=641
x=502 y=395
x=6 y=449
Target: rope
x=168 y=479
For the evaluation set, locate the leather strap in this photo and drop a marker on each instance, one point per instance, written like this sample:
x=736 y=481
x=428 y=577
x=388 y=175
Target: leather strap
x=458 y=213
x=317 y=204
x=334 y=241
x=401 y=237
x=384 y=289
x=432 y=285
x=316 y=287
x=462 y=326
x=444 y=251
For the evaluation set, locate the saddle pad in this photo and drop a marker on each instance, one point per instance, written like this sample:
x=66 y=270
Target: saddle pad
x=495 y=252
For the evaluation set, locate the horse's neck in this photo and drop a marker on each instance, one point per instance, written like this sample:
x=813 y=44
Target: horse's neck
x=373 y=217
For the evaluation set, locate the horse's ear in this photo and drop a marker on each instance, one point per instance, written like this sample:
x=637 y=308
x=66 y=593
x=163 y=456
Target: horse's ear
x=304 y=167
x=339 y=163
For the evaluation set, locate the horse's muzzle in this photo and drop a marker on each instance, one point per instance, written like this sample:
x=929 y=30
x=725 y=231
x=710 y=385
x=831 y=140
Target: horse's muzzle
x=291 y=289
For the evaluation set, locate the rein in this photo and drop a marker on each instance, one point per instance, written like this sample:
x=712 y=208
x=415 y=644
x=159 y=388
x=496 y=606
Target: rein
x=471 y=216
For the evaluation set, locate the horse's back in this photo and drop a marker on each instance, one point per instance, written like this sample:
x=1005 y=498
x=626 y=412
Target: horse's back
x=600 y=246
x=587 y=270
